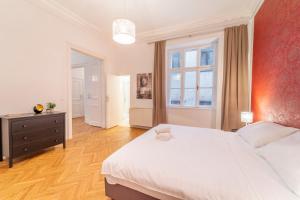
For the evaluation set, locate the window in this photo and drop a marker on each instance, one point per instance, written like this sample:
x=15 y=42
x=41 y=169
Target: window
x=206 y=88
x=207 y=56
x=175 y=60
x=190 y=58
x=191 y=75
x=175 y=88
x=190 y=88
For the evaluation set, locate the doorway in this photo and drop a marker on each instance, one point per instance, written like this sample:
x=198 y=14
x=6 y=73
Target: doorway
x=125 y=99
x=87 y=92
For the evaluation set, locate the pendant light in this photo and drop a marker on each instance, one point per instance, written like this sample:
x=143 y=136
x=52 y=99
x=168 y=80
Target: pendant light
x=124 y=30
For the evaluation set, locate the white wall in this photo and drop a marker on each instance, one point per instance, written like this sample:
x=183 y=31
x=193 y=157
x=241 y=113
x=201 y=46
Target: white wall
x=131 y=60
x=139 y=58
x=34 y=55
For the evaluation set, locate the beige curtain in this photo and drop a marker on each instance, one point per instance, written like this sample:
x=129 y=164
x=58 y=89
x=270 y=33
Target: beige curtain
x=235 y=85
x=159 y=89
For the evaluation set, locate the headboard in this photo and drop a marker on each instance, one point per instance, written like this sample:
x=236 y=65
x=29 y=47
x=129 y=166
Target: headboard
x=276 y=63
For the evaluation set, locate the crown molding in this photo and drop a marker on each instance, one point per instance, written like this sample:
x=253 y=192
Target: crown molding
x=192 y=28
x=189 y=29
x=199 y=27
x=255 y=8
x=58 y=10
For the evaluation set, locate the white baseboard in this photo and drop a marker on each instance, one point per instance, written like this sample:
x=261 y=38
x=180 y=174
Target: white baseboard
x=94 y=123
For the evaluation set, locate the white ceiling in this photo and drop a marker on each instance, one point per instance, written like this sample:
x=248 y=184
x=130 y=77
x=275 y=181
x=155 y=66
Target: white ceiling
x=150 y=15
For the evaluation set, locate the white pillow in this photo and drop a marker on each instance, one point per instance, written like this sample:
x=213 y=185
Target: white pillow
x=284 y=157
x=262 y=133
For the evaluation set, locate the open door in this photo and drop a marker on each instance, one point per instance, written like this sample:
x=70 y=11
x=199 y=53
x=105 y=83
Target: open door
x=77 y=92
x=93 y=101
x=114 y=101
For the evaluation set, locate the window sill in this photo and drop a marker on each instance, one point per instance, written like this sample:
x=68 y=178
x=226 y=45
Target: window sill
x=191 y=107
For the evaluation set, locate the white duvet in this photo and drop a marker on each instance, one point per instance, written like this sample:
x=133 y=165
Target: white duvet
x=197 y=164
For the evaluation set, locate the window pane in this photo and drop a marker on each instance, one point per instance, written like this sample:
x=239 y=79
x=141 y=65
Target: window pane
x=190 y=79
x=175 y=96
x=175 y=88
x=205 y=97
x=191 y=58
x=175 y=80
x=189 y=88
x=175 y=60
x=206 y=78
x=189 y=97
x=207 y=56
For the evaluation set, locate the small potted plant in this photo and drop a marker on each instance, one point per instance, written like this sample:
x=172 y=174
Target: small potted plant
x=50 y=106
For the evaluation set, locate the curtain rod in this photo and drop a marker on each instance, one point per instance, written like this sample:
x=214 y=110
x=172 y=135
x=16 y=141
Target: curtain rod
x=208 y=31
x=189 y=35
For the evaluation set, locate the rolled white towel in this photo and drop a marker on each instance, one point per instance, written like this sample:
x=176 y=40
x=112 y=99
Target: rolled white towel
x=162 y=129
x=163 y=133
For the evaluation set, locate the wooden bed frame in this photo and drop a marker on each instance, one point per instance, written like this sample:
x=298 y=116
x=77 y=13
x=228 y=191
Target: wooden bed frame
x=120 y=192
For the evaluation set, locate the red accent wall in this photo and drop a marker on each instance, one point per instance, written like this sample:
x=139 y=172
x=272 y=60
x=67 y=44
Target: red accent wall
x=276 y=63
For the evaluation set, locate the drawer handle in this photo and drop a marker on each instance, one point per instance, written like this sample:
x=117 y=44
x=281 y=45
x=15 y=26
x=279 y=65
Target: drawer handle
x=24 y=126
x=56 y=121
x=56 y=130
x=25 y=138
x=25 y=149
x=56 y=140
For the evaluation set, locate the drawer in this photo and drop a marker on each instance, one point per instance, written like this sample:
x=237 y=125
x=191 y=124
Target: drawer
x=36 y=123
x=40 y=134
x=37 y=145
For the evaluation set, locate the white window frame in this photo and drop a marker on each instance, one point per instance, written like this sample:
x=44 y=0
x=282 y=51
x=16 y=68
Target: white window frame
x=182 y=69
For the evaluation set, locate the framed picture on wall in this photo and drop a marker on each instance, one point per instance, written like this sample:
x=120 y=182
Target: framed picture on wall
x=144 y=86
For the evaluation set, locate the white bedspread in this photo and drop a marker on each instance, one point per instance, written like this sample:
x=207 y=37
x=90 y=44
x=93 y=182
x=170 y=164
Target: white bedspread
x=197 y=164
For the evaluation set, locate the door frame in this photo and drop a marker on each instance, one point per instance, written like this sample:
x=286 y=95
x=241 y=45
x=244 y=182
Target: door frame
x=103 y=75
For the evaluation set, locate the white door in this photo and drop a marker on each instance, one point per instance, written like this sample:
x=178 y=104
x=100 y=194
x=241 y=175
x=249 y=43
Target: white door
x=77 y=97
x=93 y=111
x=114 y=101
x=125 y=94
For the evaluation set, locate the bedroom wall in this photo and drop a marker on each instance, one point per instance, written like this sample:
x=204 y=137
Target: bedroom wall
x=131 y=60
x=139 y=58
x=34 y=56
x=276 y=63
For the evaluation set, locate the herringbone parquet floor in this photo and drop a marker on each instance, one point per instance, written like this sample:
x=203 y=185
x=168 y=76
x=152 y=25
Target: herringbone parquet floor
x=73 y=173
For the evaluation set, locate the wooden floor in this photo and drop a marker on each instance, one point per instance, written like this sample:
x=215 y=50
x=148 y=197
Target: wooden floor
x=73 y=173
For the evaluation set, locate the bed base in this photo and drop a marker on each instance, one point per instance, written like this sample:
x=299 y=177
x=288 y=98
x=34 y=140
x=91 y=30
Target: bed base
x=120 y=192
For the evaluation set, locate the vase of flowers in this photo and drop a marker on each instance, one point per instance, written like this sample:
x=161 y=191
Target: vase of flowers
x=50 y=107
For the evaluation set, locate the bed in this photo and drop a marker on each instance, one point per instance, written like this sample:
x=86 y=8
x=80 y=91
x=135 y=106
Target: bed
x=195 y=164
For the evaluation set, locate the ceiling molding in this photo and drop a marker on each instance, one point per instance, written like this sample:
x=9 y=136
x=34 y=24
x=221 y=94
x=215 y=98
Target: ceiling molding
x=255 y=8
x=198 y=27
x=193 y=28
x=58 y=10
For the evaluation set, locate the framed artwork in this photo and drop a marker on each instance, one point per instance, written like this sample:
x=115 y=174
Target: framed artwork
x=144 y=86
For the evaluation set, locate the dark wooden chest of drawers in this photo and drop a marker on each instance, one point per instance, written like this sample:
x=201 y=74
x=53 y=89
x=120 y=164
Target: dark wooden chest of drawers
x=28 y=133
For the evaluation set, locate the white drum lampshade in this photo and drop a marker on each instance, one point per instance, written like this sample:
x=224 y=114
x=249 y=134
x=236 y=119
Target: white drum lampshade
x=247 y=117
x=123 y=31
